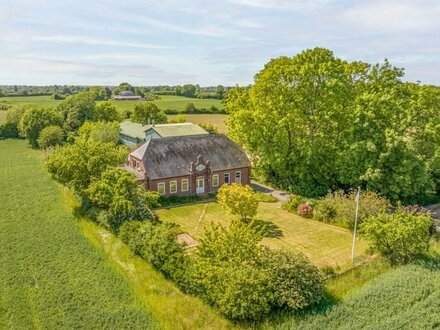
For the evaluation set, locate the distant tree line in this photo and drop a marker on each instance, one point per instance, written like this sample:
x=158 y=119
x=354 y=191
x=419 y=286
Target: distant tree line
x=59 y=92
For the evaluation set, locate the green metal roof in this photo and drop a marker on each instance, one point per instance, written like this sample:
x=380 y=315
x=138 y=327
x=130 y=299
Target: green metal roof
x=183 y=129
x=133 y=130
x=139 y=131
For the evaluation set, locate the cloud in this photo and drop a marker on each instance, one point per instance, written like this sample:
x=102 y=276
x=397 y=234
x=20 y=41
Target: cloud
x=394 y=16
x=98 y=41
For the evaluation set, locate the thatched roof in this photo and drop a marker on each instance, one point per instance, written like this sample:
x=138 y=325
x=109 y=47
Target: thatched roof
x=171 y=156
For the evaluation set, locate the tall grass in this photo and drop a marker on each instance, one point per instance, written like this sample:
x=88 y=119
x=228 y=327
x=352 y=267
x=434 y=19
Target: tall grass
x=51 y=276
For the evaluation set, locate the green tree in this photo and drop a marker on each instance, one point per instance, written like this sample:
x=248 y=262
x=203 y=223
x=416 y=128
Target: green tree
x=190 y=107
x=105 y=132
x=35 y=119
x=122 y=88
x=147 y=113
x=238 y=200
x=220 y=91
x=314 y=123
x=50 y=136
x=77 y=165
x=400 y=237
x=189 y=90
x=125 y=200
x=106 y=111
x=76 y=109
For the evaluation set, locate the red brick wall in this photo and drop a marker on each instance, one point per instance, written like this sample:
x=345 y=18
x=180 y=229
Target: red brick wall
x=245 y=179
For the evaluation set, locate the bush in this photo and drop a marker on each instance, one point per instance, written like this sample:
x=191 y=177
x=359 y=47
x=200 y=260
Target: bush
x=295 y=282
x=340 y=208
x=50 y=136
x=305 y=210
x=401 y=237
x=325 y=210
x=245 y=280
x=293 y=203
x=8 y=130
x=157 y=244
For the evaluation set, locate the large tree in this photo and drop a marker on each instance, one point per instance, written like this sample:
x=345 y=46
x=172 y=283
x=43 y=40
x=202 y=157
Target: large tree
x=148 y=113
x=35 y=119
x=77 y=165
x=76 y=109
x=314 y=123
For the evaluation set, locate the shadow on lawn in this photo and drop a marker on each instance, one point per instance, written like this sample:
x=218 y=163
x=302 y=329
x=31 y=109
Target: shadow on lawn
x=268 y=228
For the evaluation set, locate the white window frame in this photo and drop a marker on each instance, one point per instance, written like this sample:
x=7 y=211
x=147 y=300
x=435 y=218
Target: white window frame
x=173 y=182
x=161 y=184
x=229 y=178
x=239 y=177
x=183 y=185
x=215 y=177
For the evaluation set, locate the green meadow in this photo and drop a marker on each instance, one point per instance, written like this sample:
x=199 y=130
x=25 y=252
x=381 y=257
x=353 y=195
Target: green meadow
x=165 y=102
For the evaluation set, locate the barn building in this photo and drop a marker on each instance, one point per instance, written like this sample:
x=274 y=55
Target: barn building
x=189 y=165
x=134 y=134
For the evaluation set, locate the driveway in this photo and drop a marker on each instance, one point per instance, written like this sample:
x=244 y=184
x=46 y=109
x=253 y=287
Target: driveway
x=282 y=196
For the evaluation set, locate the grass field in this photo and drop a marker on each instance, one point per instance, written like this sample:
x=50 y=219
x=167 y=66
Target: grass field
x=165 y=102
x=51 y=276
x=323 y=244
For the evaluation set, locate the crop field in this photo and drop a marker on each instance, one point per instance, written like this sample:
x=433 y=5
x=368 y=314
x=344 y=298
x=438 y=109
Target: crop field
x=406 y=298
x=323 y=244
x=51 y=276
x=2 y=115
x=165 y=102
x=216 y=119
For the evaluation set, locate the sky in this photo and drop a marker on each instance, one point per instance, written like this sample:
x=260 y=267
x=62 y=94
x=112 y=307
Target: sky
x=169 y=42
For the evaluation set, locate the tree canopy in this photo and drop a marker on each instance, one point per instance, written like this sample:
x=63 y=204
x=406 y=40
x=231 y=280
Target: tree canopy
x=314 y=123
x=148 y=113
x=35 y=119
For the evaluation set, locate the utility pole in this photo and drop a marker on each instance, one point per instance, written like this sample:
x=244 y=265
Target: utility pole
x=358 y=197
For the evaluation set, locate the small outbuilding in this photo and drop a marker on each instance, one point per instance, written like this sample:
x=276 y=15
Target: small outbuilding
x=189 y=165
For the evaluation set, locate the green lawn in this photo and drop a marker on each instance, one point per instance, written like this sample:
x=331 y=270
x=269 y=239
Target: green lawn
x=51 y=276
x=323 y=244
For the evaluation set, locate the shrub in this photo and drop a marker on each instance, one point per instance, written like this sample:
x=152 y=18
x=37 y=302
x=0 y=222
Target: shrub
x=50 y=136
x=296 y=283
x=325 y=210
x=344 y=207
x=305 y=210
x=209 y=127
x=400 y=237
x=293 y=203
x=133 y=234
x=8 y=130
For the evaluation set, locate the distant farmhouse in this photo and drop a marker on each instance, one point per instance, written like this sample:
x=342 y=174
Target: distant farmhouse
x=189 y=165
x=126 y=95
x=134 y=134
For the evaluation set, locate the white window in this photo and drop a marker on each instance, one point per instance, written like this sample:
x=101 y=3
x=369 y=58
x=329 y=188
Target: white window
x=238 y=177
x=173 y=187
x=215 y=180
x=185 y=186
x=161 y=188
x=226 y=178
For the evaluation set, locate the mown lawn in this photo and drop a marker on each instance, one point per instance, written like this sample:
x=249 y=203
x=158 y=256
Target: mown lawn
x=323 y=244
x=51 y=276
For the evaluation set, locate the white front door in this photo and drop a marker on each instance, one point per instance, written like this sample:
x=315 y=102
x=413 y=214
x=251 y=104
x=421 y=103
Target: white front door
x=200 y=185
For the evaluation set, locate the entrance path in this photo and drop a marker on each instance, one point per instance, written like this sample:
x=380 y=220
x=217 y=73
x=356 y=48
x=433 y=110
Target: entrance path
x=282 y=196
